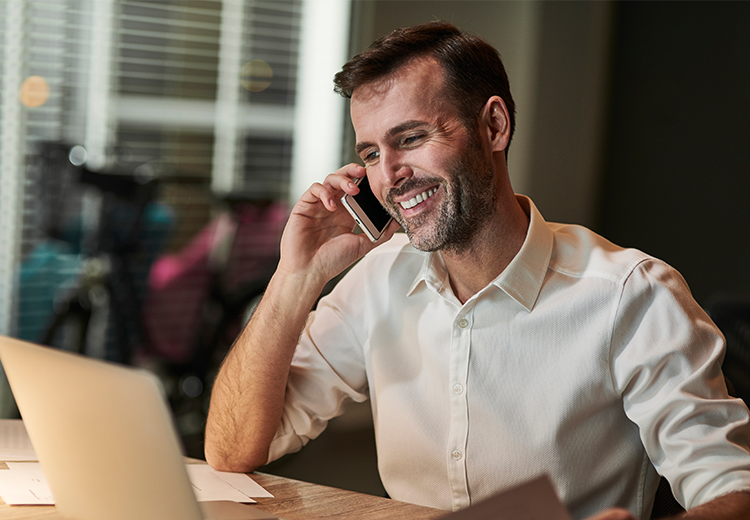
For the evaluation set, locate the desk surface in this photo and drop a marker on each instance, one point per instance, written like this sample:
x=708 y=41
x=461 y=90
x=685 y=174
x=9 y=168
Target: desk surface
x=293 y=500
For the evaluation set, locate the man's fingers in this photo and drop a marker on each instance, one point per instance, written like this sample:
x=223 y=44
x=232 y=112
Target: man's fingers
x=325 y=194
x=335 y=186
x=344 y=179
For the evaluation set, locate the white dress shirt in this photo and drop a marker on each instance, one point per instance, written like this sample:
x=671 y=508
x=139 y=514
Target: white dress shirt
x=582 y=360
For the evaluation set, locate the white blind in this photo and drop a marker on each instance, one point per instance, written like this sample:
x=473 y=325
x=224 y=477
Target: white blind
x=169 y=94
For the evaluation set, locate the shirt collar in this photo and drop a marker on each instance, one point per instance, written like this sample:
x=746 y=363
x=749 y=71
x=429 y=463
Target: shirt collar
x=522 y=279
x=434 y=274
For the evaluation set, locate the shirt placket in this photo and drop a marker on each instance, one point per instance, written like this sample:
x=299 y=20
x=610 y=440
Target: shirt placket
x=459 y=412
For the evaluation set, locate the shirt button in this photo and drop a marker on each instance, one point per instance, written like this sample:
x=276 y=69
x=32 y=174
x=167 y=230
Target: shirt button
x=463 y=323
x=456 y=454
x=458 y=388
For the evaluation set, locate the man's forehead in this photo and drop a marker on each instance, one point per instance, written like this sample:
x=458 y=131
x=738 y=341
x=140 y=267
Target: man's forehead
x=416 y=73
x=416 y=88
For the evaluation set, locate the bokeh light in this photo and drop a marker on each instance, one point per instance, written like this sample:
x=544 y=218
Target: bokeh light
x=78 y=155
x=256 y=75
x=34 y=92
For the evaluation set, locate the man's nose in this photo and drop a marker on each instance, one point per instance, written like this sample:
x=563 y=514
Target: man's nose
x=395 y=171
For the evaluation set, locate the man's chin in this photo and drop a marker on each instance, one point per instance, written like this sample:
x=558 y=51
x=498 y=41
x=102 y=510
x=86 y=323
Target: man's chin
x=422 y=240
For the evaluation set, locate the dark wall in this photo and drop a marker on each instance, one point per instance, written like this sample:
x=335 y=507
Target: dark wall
x=677 y=175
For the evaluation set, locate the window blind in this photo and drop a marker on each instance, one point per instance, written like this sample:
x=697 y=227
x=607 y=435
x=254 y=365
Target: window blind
x=204 y=98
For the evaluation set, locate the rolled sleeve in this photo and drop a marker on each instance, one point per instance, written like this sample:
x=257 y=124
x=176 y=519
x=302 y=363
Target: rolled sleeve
x=666 y=363
x=326 y=374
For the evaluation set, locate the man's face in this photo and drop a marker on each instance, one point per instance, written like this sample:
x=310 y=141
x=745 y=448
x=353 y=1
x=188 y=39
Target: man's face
x=430 y=172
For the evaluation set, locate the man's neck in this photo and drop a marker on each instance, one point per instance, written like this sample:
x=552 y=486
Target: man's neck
x=494 y=247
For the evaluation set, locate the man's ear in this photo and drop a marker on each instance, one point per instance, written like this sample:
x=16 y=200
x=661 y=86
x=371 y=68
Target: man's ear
x=496 y=121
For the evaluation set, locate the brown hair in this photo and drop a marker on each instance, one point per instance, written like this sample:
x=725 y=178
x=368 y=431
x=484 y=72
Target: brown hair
x=473 y=69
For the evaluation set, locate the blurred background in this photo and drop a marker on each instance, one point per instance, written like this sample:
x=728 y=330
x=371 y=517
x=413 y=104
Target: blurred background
x=150 y=152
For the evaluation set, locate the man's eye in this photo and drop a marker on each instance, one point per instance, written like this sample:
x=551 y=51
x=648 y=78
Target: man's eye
x=412 y=139
x=370 y=157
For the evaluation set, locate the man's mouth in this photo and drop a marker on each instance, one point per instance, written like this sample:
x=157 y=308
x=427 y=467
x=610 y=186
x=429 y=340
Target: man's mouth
x=407 y=204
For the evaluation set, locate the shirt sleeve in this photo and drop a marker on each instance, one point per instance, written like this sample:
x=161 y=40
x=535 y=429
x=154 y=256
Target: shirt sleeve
x=327 y=372
x=666 y=363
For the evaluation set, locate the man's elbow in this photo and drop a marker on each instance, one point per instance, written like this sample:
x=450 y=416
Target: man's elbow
x=239 y=448
x=231 y=465
x=233 y=460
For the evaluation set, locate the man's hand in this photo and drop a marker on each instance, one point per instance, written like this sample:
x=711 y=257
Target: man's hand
x=318 y=242
x=613 y=514
x=733 y=506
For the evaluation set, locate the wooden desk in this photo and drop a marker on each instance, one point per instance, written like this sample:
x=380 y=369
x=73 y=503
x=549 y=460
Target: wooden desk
x=293 y=500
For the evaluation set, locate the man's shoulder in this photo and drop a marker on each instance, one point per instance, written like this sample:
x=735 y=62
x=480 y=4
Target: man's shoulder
x=578 y=251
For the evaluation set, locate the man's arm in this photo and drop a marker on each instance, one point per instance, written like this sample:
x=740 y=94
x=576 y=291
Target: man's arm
x=248 y=394
x=247 y=399
x=733 y=506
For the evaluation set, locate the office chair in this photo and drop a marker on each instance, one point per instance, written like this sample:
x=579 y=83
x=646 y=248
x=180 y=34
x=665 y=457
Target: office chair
x=731 y=313
x=665 y=505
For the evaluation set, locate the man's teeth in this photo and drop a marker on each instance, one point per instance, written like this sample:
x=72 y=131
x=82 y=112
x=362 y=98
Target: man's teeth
x=419 y=198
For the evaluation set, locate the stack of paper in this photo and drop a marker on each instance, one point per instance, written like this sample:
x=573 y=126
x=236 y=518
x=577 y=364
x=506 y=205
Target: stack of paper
x=23 y=483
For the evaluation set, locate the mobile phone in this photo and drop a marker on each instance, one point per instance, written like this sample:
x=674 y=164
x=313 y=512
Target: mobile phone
x=371 y=217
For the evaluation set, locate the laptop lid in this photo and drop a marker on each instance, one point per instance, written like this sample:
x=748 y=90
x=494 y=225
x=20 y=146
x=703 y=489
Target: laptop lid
x=104 y=436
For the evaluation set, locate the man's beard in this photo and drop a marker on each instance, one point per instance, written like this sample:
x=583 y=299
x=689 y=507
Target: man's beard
x=469 y=202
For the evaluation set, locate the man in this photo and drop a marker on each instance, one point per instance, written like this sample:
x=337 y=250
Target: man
x=493 y=346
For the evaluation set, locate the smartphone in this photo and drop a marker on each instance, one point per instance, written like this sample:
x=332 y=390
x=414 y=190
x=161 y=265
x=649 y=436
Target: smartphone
x=371 y=217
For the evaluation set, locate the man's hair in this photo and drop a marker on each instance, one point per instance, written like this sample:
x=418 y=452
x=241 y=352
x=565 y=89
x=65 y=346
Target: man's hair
x=473 y=69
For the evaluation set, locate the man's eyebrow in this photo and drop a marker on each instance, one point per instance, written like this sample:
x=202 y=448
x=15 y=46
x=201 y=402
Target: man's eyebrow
x=361 y=146
x=403 y=127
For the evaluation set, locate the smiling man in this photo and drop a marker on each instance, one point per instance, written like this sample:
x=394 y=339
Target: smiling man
x=419 y=126
x=492 y=345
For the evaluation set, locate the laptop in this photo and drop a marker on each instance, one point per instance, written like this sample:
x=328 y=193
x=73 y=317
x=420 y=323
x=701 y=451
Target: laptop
x=105 y=438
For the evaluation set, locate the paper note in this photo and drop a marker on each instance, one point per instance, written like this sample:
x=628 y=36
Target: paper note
x=24 y=484
x=210 y=484
x=534 y=500
x=14 y=441
x=243 y=483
